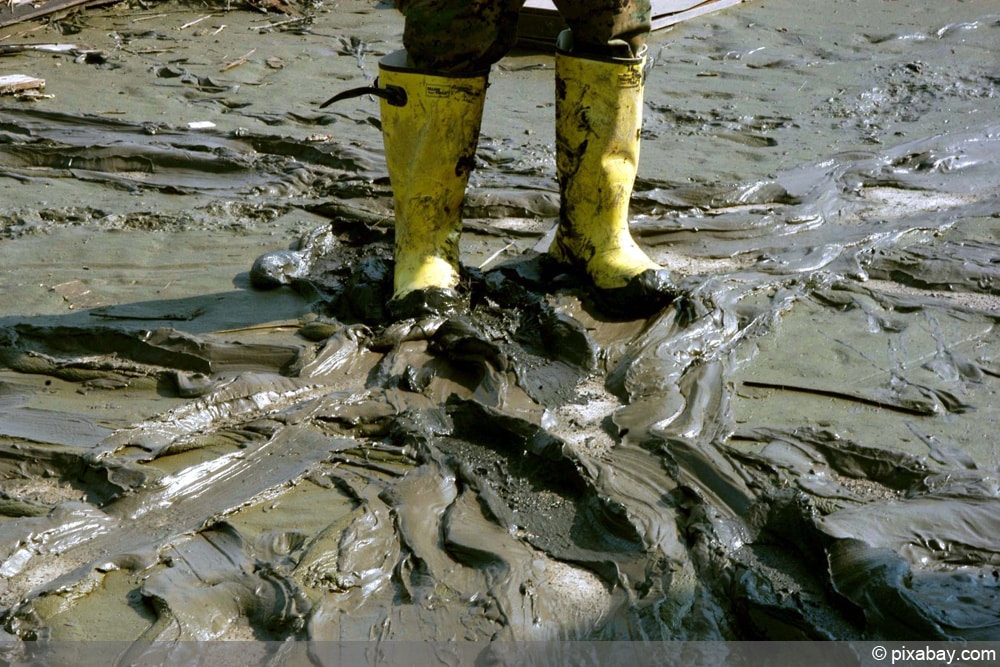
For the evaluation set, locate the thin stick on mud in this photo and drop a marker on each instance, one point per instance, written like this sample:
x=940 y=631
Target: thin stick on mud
x=242 y=60
x=151 y=17
x=195 y=22
x=277 y=24
x=489 y=260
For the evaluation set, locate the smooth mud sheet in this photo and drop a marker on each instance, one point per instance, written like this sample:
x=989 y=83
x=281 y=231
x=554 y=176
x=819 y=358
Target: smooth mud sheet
x=803 y=446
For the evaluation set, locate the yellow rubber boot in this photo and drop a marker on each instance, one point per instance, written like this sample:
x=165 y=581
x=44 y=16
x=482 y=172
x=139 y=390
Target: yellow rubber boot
x=598 y=121
x=430 y=128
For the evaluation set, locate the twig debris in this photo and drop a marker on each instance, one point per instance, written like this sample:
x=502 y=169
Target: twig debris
x=242 y=60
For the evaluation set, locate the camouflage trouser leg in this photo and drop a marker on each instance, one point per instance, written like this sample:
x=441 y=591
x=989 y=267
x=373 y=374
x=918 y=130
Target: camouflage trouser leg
x=467 y=36
x=616 y=28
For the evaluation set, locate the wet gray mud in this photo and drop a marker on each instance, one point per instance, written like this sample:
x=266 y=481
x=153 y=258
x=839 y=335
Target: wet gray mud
x=803 y=446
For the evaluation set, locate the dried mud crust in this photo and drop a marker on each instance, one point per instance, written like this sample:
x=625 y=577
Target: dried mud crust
x=800 y=448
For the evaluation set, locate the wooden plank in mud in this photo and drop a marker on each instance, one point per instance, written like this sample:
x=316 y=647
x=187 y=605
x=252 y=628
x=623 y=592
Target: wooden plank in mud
x=16 y=11
x=540 y=23
x=16 y=83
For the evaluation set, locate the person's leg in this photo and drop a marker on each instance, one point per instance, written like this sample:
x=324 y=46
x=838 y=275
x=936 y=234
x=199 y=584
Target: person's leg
x=607 y=28
x=458 y=36
x=430 y=131
x=430 y=128
x=599 y=99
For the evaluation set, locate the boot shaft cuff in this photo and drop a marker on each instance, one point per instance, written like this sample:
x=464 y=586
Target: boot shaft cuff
x=564 y=46
x=399 y=61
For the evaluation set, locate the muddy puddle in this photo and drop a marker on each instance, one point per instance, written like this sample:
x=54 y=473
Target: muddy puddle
x=802 y=447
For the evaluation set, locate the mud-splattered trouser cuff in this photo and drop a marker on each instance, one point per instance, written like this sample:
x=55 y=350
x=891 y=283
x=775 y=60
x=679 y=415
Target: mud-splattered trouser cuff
x=467 y=36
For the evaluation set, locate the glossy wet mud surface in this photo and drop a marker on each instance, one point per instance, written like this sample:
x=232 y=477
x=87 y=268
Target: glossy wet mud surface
x=802 y=446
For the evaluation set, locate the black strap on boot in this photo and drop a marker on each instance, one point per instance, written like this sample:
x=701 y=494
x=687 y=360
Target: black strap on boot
x=394 y=95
